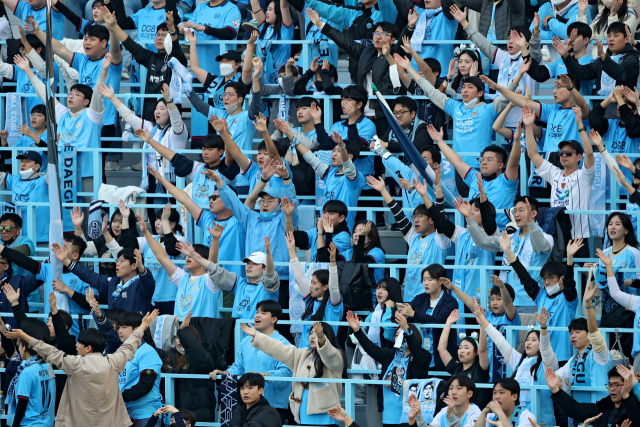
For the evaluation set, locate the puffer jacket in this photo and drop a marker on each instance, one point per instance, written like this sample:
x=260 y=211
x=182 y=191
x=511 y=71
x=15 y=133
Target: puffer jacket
x=509 y=13
x=259 y=415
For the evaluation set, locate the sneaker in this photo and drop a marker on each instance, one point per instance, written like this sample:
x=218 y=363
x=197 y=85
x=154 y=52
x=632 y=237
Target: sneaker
x=360 y=401
x=137 y=167
x=394 y=227
x=250 y=26
x=125 y=75
x=112 y=166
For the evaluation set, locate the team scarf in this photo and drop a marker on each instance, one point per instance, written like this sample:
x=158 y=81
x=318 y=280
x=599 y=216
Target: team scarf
x=11 y=393
x=121 y=287
x=397 y=370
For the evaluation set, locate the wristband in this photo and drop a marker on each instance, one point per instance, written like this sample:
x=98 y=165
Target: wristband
x=543 y=327
x=263 y=180
x=582 y=129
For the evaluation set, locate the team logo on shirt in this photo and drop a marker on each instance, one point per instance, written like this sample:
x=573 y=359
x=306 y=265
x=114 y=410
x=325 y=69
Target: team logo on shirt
x=562 y=192
x=195 y=288
x=244 y=305
x=161 y=17
x=216 y=16
x=163 y=69
x=87 y=80
x=474 y=113
x=73 y=282
x=78 y=125
x=26 y=88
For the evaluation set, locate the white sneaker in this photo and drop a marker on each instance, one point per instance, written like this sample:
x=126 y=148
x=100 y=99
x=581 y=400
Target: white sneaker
x=112 y=166
x=137 y=167
x=360 y=401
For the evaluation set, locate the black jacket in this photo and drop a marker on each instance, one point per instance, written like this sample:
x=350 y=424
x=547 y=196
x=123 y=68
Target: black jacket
x=447 y=304
x=581 y=411
x=600 y=123
x=197 y=396
x=421 y=139
x=259 y=415
x=532 y=287
x=158 y=72
x=367 y=60
x=625 y=73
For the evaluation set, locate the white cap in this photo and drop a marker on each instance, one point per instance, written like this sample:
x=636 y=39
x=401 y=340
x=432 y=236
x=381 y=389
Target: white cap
x=257 y=258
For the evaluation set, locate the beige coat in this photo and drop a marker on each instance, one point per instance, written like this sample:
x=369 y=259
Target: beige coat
x=322 y=397
x=91 y=396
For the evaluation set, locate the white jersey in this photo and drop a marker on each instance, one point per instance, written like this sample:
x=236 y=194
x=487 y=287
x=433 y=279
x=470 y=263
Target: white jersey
x=572 y=192
x=468 y=419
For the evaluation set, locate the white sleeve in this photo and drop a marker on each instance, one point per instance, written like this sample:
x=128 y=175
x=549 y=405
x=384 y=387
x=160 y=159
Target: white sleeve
x=524 y=419
x=628 y=301
x=142 y=244
x=565 y=371
x=129 y=117
x=38 y=63
x=547 y=171
x=197 y=167
x=411 y=235
x=504 y=347
x=177 y=276
x=177 y=125
x=213 y=288
x=443 y=241
x=6 y=70
x=91 y=249
x=457 y=234
x=60 y=111
x=334 y=286
x=548 y=356
x=95 y=117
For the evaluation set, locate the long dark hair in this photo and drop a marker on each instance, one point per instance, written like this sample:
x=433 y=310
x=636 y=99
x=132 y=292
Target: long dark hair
x=132 y=223
x=374 y=238
x=636 y=164
x=394 y=289
x=331 y=338
x=323 y=277
x=173 y=217
x=180 y=359
x=277 y=25
x=534 y=368
x=603 y=21
x=457 y=81
x=630 y=238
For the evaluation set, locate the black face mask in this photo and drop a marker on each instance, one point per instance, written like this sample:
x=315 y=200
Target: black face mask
x=318 y=86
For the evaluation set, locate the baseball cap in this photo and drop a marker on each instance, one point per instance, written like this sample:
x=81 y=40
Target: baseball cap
x=231 y=55
x=474 y=81
x=31 y=155
x=574 y=144
x=272 y=191
x=257 y=258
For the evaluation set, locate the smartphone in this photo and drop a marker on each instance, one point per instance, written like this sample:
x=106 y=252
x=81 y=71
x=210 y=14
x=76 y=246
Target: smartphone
x=30 y=20
x=399 y=174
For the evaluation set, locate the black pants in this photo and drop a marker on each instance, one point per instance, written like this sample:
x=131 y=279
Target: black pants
x=165 y=307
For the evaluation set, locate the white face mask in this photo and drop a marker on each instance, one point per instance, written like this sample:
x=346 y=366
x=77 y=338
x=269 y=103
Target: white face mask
x=557 y=2
x=280 y=81
x=515 y=55
x=552 y=290
x=168 y=44
x=469 y=104
x=609 y=3
x=26 y=174
x=226 y=69
x=231 y=108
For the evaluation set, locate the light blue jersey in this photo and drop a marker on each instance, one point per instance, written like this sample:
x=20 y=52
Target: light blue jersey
x=472 y=128
x=223 y=15
x=89 y=72
x=437 y=28
x=145 y=359
x=32 y=190
x=35 y=385
x=395 y=168
x=24 y=9
x=423 y=251
x=332 y=313
x=199 y=123
x=501 y=192
x=617 y=141
x=342 y=241
x=561 y=125
x=467 y=253
x=497 y=367
x=231 y=243
x=588 y=369
x=24 y=86
x=366 y=131
x=147 y=21
x=392 y=402
x=320 y=46
x=247 y=297
x=81 y=130
x=240 y=127
x=557 y=28
x=274 y=56
x=17 y=270
x=250 y=359
x=519 y=417
x=557 y=68
x=254 y=174
x=195 y=294
x=627 y=258
x=165 y=290
x=561 y=313
x=337 y=186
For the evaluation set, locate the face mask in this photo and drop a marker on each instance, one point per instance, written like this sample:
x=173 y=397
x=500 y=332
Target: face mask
x=26 y=174
x=515 y=55
x=168 y=44
x=556 y=2
x=552 y=290
x=231 y=107
x=226 y=70
x=471 y=103
x=181 y=351
x=318 y=86
x=280 y=81
x=268 y=216
x=609 y=3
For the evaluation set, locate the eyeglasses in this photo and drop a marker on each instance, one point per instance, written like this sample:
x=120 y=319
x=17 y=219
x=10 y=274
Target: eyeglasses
x=7 y=228
x=383 y=35
x=161 y=35
x=566 y=153
x=416 y=217
x=120 y=260
x=483 y=160
x=227 y=95
x=549 y=279
x=613 y=386
x=400 y=113
x=4 y=263
x=267 y=202
x=213 y=197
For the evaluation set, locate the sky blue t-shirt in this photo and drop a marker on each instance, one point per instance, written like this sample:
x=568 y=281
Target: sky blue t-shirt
x=241 y=128
x=557 y=68
x=561 y=313
x=472 y=128
x=378 y=258
x=561 y=125
x=497 y=367
x=628 y=258
x=24 y=9
x=195 y=294
x=366 y=131
x=501 y=192
x=89 y=71
x=34 y=384
x=248 y=295
x=80 y=132
x=223 y=15
x=33 y=190
x=392 y=403
x=338 y=187
x=147 y=21
x=199 y=123
x=277 y=54
x=231 y=241
x=431 y=249
x=439 y=28
x=23 y=85
x=165 y=291
x=617 y=141
x=332 y=313
x=23 y=240
x=467 y=253
x=145 y=358
x=342 y=241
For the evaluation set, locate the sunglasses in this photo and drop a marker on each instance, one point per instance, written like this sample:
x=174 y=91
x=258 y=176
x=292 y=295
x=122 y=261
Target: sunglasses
x=7 y=228
x=566 y=153
x=214 y=197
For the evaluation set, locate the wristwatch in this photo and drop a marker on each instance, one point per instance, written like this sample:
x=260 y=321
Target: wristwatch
x=582 y=129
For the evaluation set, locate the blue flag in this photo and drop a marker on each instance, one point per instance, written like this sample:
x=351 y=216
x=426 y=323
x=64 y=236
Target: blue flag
x=412 y=157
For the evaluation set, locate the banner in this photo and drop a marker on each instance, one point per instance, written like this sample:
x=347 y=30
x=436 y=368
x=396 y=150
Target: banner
x=228 y=399
x=296 y=303
x=426 y=391
x=94 y=229
x=69 y=183
x=14 y=117
x=9 y=207
x=325 y=157
x=598 y=196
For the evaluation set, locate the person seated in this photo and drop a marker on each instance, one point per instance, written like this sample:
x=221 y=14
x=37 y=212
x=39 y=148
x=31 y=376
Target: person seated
x=505 y=406
x=254 y=410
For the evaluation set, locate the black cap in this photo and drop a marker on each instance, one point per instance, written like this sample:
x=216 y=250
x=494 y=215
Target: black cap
x=574 y=144
x=231 y=55
x=474 y=81
x=31 y=155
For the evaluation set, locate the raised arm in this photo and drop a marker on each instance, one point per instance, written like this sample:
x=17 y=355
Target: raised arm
x=156 y=248
x=518 y=99
x=285 y=12
x=454 y=158
x=507 y=301
x=200 y=73
x=231 y=149
x=444 y=338
x=58 y=48
x=528 y=118
x=145 y=136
